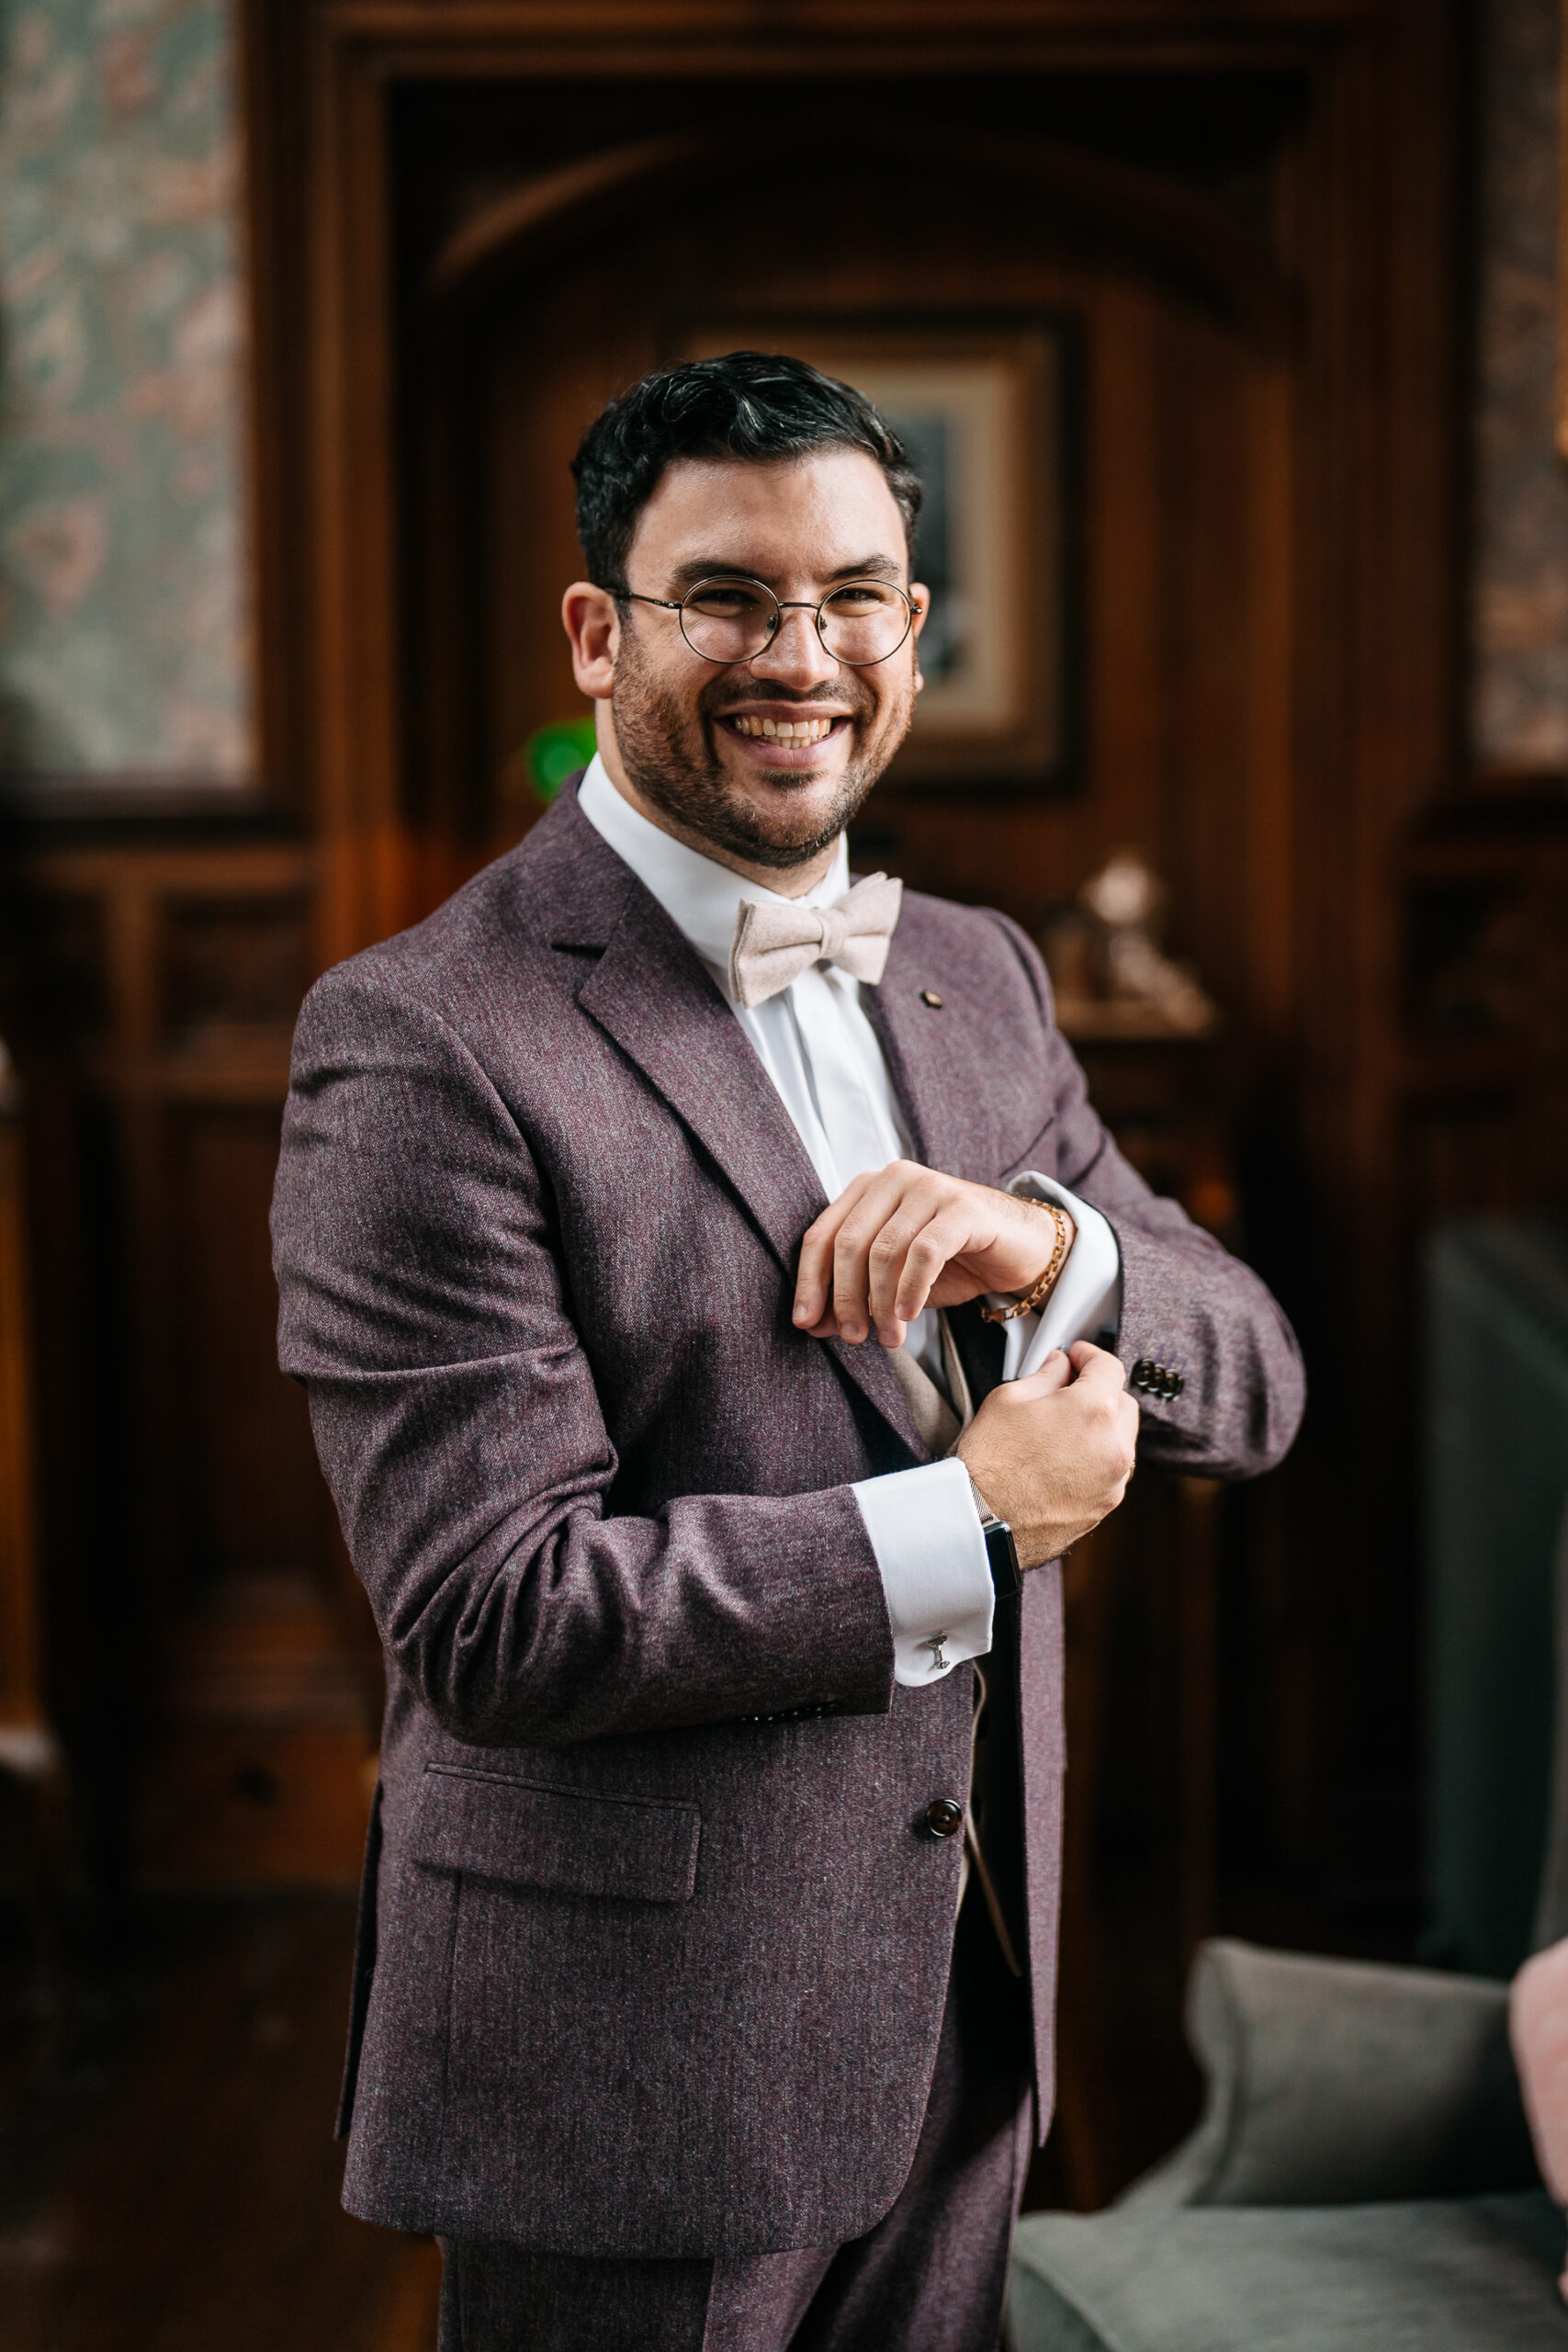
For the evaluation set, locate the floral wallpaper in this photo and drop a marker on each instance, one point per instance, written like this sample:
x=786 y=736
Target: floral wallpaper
x=123 y=627
x=1519 y=614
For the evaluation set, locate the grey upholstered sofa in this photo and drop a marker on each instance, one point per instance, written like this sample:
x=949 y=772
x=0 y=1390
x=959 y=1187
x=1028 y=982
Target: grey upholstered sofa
x=1362 y=2177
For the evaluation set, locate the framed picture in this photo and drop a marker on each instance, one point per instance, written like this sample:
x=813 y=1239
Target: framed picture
x=984 y=409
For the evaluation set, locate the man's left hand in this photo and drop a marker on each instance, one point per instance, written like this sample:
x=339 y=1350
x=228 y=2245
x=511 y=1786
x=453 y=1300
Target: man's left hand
x=904 y=1237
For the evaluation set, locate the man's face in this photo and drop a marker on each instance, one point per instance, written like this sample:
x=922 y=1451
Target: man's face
x=694 y=738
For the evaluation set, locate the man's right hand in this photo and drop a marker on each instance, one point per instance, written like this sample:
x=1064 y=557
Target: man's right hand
x=1052 y=1454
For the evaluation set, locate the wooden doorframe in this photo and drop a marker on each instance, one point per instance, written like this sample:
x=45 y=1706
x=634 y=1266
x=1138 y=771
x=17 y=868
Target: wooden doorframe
x=1368 y=227
x=319 y=74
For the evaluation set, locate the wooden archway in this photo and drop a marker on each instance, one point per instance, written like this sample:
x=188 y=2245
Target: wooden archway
x=1147 y=220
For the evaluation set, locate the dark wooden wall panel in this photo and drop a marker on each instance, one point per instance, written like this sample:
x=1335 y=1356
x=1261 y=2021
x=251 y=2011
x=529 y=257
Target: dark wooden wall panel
x=254 y=1498
x=209 y=1652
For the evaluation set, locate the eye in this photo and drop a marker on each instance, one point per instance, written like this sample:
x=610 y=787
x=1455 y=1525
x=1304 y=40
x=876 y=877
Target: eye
x=858 y=597
x=728 y=600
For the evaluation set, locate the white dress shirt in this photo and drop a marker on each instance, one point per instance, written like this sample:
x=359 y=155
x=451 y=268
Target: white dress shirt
x=825 y=1062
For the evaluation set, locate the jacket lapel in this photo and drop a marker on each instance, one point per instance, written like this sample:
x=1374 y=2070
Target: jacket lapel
x=651 y=993
x=650 y=990
x=931 y=1060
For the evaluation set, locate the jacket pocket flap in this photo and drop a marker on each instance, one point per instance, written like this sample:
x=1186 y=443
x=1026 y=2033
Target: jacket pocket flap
x=527 y=1836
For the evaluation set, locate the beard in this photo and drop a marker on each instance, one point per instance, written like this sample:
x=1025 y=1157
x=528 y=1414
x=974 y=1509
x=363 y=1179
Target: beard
x=671 y=756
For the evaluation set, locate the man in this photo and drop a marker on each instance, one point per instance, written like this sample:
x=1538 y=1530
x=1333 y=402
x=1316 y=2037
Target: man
x=637 y=1223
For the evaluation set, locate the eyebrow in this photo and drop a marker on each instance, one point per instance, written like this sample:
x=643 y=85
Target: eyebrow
x=870 y=567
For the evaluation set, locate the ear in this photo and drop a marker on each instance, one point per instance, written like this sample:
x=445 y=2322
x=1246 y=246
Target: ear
x=919 y=595
x=593 y=623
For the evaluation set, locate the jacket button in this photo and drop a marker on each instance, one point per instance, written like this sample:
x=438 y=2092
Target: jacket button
x=944 y=1817
x=929 y=996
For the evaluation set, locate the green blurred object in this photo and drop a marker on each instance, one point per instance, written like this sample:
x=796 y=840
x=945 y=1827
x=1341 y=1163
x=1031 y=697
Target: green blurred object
x=556 y=751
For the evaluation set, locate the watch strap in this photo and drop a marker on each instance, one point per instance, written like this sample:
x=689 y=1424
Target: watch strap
x=1001 y=1552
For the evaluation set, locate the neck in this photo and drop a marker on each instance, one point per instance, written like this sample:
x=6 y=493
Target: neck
x=788 y=881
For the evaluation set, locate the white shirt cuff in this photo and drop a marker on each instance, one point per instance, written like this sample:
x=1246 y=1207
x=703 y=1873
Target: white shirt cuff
x=925 y=1530
x=1087 y=1301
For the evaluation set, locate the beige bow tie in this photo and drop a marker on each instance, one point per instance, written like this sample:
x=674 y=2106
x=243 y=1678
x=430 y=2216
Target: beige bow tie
x=775 y=942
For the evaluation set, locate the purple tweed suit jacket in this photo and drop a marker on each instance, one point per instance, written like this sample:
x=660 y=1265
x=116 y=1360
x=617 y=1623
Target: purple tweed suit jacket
x=653 y=1947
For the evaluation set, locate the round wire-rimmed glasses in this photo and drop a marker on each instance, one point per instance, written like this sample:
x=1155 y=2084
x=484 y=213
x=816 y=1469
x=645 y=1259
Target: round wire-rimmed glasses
x=729 y=618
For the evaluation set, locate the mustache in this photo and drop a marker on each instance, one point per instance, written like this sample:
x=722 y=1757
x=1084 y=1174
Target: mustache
x=718 y=700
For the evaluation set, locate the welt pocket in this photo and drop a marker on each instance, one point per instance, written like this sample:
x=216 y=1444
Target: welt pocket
x=558 y=1839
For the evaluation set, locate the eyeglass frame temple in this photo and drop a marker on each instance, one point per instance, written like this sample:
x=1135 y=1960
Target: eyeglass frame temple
x=782 y=604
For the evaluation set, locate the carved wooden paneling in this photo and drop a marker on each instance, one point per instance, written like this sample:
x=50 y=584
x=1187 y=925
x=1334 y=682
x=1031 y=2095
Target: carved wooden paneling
x=1484 y=1081
x=228 y=962
x=252 y=1496
x=211 y=1650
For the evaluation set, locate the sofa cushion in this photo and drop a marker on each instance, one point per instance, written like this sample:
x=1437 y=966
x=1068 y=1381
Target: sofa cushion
x=1437 y=2276
x=1338 y=2081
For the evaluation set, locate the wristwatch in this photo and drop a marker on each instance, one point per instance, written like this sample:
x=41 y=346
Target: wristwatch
x=1001 y=1552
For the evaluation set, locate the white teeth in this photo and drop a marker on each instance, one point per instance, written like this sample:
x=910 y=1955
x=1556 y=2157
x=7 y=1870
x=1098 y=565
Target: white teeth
x=803 y=731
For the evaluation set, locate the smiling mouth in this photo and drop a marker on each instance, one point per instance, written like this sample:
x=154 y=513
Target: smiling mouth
x=791 y=732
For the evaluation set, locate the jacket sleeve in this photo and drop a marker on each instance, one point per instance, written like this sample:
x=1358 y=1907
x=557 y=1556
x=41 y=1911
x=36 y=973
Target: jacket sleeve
x=422 y=1303
x=1186 y=1303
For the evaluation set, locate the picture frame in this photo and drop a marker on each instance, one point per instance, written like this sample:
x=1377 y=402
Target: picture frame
x=987 y=409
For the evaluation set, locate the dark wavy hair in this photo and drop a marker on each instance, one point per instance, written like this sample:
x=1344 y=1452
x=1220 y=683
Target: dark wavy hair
x=753 y=404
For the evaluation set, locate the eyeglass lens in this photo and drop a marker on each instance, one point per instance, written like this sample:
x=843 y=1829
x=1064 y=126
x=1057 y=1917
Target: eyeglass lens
x=734 y=621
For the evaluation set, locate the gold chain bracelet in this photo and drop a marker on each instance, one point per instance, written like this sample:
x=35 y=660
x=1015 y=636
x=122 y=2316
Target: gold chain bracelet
x=1036 y=1296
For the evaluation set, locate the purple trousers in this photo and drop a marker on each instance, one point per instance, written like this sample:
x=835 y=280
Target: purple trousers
x=929 y=2277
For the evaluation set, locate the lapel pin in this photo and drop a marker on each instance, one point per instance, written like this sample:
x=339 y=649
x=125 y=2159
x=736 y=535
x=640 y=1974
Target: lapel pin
x=929 y=996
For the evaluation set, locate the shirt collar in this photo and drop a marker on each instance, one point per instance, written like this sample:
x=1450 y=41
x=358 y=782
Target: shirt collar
x=701 y=897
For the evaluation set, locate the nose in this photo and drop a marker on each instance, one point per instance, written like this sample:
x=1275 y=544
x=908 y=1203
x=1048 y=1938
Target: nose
x=796 y=655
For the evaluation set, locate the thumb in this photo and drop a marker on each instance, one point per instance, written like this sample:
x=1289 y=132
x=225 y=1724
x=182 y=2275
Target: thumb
x=1054 y=1374
x=1098 y=1369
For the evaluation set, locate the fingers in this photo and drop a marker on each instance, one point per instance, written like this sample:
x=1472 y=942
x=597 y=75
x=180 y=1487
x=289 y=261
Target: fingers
x=1052 y=1374
x=898 y=1237
x=889 y=1251
x=1052 y=1453
x=906 y=1260
x=1103 y=1378
x=814 y=1277
x=1012 y=1397
x=873 y=1256
x=1104 y=1397
x=1102 y=1414
x=1099 y=1367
